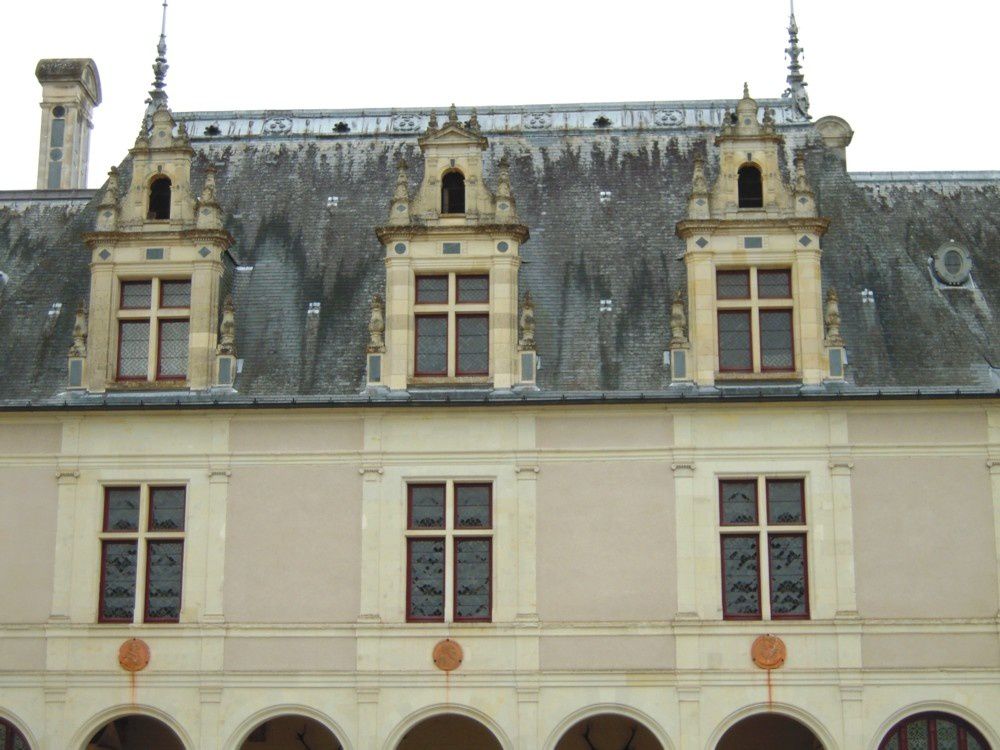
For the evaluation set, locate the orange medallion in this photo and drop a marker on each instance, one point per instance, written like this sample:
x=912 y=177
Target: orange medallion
x=133 y=655
x=768 y=652
x=447 y=655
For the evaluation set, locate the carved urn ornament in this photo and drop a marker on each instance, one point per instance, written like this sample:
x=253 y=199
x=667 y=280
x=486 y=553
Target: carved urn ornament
x=527 y=323
x=79 y=348
x=678 y=321
x=832 y=320
x=227 y=328
x=376 y=326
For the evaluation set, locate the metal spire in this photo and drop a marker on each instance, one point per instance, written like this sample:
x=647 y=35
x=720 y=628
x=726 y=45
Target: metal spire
x=158 y=94
x=796 y=90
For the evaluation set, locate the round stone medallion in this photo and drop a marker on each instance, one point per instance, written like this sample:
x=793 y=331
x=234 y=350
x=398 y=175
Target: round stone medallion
x=768 y=652
x=447 y=655
x=133 y=655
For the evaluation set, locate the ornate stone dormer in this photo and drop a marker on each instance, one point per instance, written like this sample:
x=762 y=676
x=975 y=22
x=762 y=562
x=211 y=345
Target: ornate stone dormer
x=452 y=258
x=753 y=260
x=156 y=267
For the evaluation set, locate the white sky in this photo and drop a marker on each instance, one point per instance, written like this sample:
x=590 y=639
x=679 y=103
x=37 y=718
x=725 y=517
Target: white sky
x=914 y=78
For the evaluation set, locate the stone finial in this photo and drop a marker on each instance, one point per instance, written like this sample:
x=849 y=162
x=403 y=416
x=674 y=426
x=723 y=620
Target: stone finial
x=111 y=191
x=452 y=114
x=158 y=94
x=746 y=90
x=796 y=90
x=432 y=123
x=699 y=183
x=208 y=192
x=474 y=120
x=801 y=181
x=182 y=134
x=79 y=348
x=402 y=192
x=503 y=179
x=376 y=326
x=832 y=320
x=678 y=322
x=527 y=323
x=227 y=328
x=142 y=140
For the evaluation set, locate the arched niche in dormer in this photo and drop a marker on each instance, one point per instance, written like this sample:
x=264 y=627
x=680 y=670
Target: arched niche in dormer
x=453 y=192
x=750 y=186
x=159 y=199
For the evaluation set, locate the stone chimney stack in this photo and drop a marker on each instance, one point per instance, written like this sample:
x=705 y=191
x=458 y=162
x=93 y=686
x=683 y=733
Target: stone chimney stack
x=71 y=89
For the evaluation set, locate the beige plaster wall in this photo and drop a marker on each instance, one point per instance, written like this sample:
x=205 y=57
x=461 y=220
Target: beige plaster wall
x=895 y=427
x=605 y=541
x=22 y=654
x=293 y=544
x=19 y=438
x=256 y=434
x=28 y=498
x=930 y=650
x=568 y=431
x=924 y=538
x=606 y=652
x=280 y=654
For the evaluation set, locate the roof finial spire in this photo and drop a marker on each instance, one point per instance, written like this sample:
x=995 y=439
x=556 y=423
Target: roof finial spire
x=158 y=94
x=796 y=90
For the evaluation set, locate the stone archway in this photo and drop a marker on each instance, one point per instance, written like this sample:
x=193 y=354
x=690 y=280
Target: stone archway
x=767 y=731
x=291 y=732
x=448 y=732
x=134 y=732
x=608 y=732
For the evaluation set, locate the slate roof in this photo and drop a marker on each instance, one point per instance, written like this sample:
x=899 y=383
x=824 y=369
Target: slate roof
x=296 y=245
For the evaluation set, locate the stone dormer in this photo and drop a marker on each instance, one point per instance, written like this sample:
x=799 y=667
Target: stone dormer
x=452 y=259
x=157 y=257
x=753 y=261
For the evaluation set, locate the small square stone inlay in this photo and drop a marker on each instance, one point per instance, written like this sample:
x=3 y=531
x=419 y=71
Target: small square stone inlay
x=805 y=241
x=701 y=242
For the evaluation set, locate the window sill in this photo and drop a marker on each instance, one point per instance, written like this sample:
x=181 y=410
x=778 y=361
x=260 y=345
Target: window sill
x=460 y=380
x=148 y=385
x=753 y=377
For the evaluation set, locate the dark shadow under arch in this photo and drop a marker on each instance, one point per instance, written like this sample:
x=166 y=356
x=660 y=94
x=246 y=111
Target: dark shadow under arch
x=448 y=732
x=135 y=732
x=750 y=185
x=159 y=199
x=608 y=732
x=769 y=731
x=453 y=193
x=291 y=732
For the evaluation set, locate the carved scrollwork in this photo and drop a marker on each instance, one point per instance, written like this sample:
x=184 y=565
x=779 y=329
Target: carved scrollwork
x=667 y=118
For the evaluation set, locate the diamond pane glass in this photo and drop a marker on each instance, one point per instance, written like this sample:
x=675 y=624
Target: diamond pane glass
x=122 y=511
x=739 y=501
x=788 y=575
x=427 y=506
x=734 y=341
x=776 y=339
x=432 y=290
x=166 y=510
x=947 y=735
x=892 y=743
x=741 y=576
x=473 y=289
x=774 y=284
x=173 y=348
x=785 y=501
x=3 y=734
x=118 y=587
x=137 y=295
x=432 y=345
x=426 y=585
x=473 y=344
x=472 y=579
x=733 y=284
x=133 y=349
x=163 y=592
x=175 y=294
x=472 y=506
x=973 y=743
x=917 y=735
x=19 y=742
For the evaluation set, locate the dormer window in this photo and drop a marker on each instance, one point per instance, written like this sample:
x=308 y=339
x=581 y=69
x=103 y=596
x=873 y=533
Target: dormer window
x=751 y=187
x=453 y=193
x=159 y=199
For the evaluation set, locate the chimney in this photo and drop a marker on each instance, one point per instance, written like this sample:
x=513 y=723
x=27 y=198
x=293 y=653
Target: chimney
x=71 y=89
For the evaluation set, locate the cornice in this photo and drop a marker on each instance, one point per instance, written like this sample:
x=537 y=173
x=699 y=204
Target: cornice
x=215 y=236
x=387 y=234
x=687 y=228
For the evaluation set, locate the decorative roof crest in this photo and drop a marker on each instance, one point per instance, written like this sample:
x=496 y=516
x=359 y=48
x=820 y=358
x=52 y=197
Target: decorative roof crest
x=796 y=90
x=158 y=94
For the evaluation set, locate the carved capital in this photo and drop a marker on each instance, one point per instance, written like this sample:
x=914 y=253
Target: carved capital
x=526 y=471
x=841 y=466
x=993 y=464
x=683 y=468
x=371 y=471
x=67 y=476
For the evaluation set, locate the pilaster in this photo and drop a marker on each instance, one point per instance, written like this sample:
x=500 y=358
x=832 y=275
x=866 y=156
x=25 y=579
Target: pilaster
x=993 y=466
x=368 y=698
x=527 y=718
x=689 y=712
x=371 y=522
x=211 y=707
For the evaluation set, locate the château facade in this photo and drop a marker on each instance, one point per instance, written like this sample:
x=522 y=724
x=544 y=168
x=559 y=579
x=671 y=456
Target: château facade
x=635 y=426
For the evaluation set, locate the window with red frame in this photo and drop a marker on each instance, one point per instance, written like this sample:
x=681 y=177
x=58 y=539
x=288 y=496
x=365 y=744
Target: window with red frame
x=933 y=731
x=451 y=325
x=763 y=537
x=11 y=738
x=754 y=309
x=142 y=553
x=153 y=329
x=449 y=552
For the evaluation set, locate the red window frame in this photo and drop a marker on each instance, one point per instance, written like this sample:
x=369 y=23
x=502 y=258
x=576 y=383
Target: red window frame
x=749 y=317
x=898 y=731
x=149 y=559
x=409 y=577
x=409 y=506
x=805 y=575
x=791 y=337
x=416 y=345
x=768 y=481
x=787 y=272
x=732 y=273
x=149 y=515
x=159 y=347
x=100 y=603
x=118 y=370
x=458 y=289
x=416 y=294
x=458 y=353
x=760 y=593
x=454 y=578
x=489 y=488
x=722 y=511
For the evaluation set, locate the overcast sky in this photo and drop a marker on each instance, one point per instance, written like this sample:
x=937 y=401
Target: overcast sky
x=916 y=80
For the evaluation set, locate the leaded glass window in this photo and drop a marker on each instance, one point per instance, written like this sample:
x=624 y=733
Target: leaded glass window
x=735 y=348
x=153 y=319
x=451 y=326
x=755 y=321
x=776 y=340
x=472 y=289
x=173 y=349
x=432 y=290
x=764 y=571
x=733 y=284
x=933 y=731
x=473 y=344
x=175 y=293
x=137 y=295
x=449 y=550
x=774 y=284
x=432 y=345
x=142 y=553
x=133 y=350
